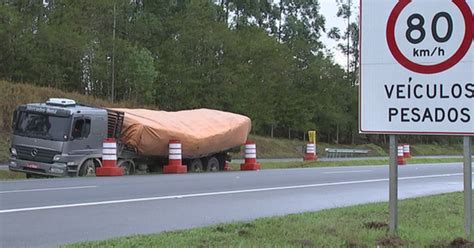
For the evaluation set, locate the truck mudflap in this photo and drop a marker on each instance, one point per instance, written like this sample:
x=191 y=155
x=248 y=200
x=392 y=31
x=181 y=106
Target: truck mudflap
x=38 y=168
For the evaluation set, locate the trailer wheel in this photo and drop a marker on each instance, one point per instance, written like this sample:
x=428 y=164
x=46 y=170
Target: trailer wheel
x=212 y=164
x=128 y=166
x=195 y=165
x=87 y=169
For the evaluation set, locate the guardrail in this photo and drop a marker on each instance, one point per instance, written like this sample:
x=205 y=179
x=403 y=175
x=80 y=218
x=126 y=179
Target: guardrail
x=344 y=153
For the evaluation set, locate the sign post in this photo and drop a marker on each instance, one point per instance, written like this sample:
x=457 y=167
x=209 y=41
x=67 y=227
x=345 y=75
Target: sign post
x=393 y=188
x=467 y=187
x=417 y=77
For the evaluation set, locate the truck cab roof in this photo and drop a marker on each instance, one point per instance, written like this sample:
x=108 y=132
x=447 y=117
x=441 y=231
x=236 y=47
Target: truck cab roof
x=62 y=107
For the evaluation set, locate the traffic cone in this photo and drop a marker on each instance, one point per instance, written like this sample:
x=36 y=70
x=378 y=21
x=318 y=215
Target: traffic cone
x=310 y=152
x=406 y=151
x=175 y=164
x=400 y=157
x=250 y=157
x=109 y=160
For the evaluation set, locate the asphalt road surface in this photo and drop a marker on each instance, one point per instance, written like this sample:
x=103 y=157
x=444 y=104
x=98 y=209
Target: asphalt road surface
x=48 y=212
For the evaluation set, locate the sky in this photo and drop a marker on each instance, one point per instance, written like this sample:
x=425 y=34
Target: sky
x=329 y=10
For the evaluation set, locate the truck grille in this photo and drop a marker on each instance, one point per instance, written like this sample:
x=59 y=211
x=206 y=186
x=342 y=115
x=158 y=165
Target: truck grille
x=36 y=154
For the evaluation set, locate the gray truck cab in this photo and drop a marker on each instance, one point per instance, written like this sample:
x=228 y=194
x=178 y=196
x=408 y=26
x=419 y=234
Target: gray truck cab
x=58 y=138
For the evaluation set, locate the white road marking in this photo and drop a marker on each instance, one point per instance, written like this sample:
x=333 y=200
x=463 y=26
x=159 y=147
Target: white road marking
x=346 y=172
x=46 y=189
x=214 y=193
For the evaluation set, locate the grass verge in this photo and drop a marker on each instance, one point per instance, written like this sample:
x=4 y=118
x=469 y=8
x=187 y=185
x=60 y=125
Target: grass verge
x=11 y=175
x=435 y=221
x=313 y=164
x=4 y=146
x=284 y=148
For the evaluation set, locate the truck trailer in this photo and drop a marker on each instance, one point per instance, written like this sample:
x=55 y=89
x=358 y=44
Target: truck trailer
x=61 y=138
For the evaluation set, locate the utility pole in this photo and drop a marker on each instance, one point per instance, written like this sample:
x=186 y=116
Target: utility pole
x=348 y=39
x=113 y=57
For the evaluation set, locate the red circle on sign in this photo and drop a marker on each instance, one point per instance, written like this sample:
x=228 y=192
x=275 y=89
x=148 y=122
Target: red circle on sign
x=430 y=69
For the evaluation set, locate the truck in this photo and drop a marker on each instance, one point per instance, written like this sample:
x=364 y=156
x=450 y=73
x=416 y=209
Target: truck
x=62 y=138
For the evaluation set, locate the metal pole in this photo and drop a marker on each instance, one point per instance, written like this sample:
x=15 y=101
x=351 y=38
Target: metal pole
x=467 y=187
x=113 y=57
x=393 y=188
x=348 y=40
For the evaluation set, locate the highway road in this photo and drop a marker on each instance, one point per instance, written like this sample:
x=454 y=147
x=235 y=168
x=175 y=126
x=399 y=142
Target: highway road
x=48 y=212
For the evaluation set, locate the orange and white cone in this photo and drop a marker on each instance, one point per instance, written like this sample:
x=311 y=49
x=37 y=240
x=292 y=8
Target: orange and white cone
x=406 y=151
x=310 y=152
x=400 y=157
x=175 y=164
x=109 y=160
x=250 y=157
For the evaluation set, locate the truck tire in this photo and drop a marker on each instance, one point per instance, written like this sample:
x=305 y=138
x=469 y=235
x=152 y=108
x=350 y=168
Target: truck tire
x=87 y=169
x=195 y=165
x=213 y=164
x=128 y=166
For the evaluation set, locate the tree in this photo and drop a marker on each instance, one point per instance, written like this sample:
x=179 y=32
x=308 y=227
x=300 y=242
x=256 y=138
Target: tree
x=349 y=38
x=136 y=74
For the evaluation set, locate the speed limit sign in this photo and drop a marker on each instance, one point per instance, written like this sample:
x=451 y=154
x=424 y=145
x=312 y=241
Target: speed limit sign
x=417 y=67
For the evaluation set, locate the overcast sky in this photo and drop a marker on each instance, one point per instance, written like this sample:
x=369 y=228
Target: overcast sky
x=329 y=10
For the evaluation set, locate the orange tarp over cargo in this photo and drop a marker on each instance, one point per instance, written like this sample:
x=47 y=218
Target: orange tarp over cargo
x=200 y=131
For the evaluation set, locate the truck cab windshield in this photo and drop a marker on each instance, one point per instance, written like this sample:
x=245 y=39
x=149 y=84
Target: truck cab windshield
x=42 y=126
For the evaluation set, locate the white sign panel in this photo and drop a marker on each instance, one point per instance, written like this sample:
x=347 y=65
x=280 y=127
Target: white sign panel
x=417 y=67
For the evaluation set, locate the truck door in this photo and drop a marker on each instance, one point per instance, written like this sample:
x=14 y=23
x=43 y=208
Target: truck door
x=80 y=134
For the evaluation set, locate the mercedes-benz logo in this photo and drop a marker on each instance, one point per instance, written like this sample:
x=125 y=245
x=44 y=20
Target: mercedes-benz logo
x=34 y=153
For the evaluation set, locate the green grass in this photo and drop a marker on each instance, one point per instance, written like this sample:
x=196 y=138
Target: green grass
x=10 y=175
x=311 y=164
x=4 y=146
x=436 y=149
x=424 y=222
x=284 y=148
x=275 y=148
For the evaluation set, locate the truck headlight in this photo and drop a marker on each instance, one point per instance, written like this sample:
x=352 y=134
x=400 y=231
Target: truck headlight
x=13 y=151
x=56 y=157
x=56 y=170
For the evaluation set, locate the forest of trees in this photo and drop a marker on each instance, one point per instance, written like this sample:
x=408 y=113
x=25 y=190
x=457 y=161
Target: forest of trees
x=261 y=58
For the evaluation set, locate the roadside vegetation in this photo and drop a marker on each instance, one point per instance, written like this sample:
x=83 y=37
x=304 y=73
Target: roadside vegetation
x=4 y=146
x=10 y=175
x=434 y=221
x=284 y=148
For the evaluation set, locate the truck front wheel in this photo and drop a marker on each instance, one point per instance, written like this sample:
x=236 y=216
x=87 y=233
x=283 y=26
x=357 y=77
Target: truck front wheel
x=87 y=169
